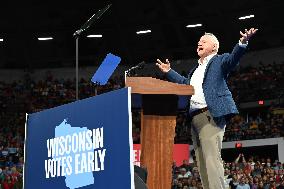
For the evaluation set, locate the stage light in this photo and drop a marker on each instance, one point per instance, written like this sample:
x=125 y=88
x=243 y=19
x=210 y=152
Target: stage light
x=143 y=32
x=1 y=40
x=246 y=17
x=44 y=38
x=95 y=36
x=193 y=25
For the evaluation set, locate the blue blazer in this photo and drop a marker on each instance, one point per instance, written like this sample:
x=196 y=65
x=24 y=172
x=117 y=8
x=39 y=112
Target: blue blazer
x=218 y=97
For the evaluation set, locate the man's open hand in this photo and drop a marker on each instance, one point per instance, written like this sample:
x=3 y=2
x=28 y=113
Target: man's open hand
x=164 y=67
x=247 y=35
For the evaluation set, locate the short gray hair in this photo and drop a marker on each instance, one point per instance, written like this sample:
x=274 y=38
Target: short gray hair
x=214 y=39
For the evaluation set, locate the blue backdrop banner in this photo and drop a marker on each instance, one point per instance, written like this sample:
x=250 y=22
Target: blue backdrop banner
x=86 y=144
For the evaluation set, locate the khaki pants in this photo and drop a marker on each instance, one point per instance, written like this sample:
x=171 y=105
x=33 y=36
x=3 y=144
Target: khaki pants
x=207 y=141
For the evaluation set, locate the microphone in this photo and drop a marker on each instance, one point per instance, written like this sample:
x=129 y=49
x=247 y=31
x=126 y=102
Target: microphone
x=138 y=67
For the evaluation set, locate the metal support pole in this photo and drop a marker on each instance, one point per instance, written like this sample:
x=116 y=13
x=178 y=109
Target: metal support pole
x=77 y=68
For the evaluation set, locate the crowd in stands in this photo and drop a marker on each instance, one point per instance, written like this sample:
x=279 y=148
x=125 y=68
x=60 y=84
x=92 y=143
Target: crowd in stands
x=11 y=173
x=251 y=84
x=251 y=173
x=241 y=129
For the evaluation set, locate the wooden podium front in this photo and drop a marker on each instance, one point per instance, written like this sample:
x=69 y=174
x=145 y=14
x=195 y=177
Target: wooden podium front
x=158 y=121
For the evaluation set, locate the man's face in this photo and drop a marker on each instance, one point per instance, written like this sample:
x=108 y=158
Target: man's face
x=205 y=46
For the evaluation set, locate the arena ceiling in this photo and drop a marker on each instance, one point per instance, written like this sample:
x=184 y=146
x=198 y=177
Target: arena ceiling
x=22 y=22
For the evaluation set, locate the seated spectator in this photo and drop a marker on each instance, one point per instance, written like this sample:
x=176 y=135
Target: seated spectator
x=2 y=176
x=243 y=184
x=255 y=182
x=195 y=172
x=253 y=125
x=176 y=184
x=281 y=186
x=7 y=183
x=20 y=163
x=10 y=162
x=175 y=169
x=185 y=165
x=14 y=174
x=261 y=185
x=7 y=171
x=193 y=184
x=183 y=173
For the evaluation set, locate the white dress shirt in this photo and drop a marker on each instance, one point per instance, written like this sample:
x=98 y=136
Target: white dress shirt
x=197 y=100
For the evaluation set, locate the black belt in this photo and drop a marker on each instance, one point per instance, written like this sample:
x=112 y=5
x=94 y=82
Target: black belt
x=196 y=112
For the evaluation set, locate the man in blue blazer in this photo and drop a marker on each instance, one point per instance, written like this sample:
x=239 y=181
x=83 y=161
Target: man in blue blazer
x=212 y=103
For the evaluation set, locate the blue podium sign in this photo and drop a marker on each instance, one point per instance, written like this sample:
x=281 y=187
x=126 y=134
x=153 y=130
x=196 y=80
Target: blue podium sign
x=86 y=144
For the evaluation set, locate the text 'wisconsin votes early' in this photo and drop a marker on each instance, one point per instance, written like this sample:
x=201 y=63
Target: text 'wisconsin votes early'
x=80 y=152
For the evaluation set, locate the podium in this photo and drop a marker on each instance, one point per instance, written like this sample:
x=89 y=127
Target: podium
x=158 y=121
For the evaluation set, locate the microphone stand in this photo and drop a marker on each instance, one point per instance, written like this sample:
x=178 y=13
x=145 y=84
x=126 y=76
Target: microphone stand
x=128 y=72
x=77 y=35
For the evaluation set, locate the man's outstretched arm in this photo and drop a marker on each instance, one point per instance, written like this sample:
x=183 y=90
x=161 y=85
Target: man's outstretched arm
x=232 y=60
x=171 y=74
